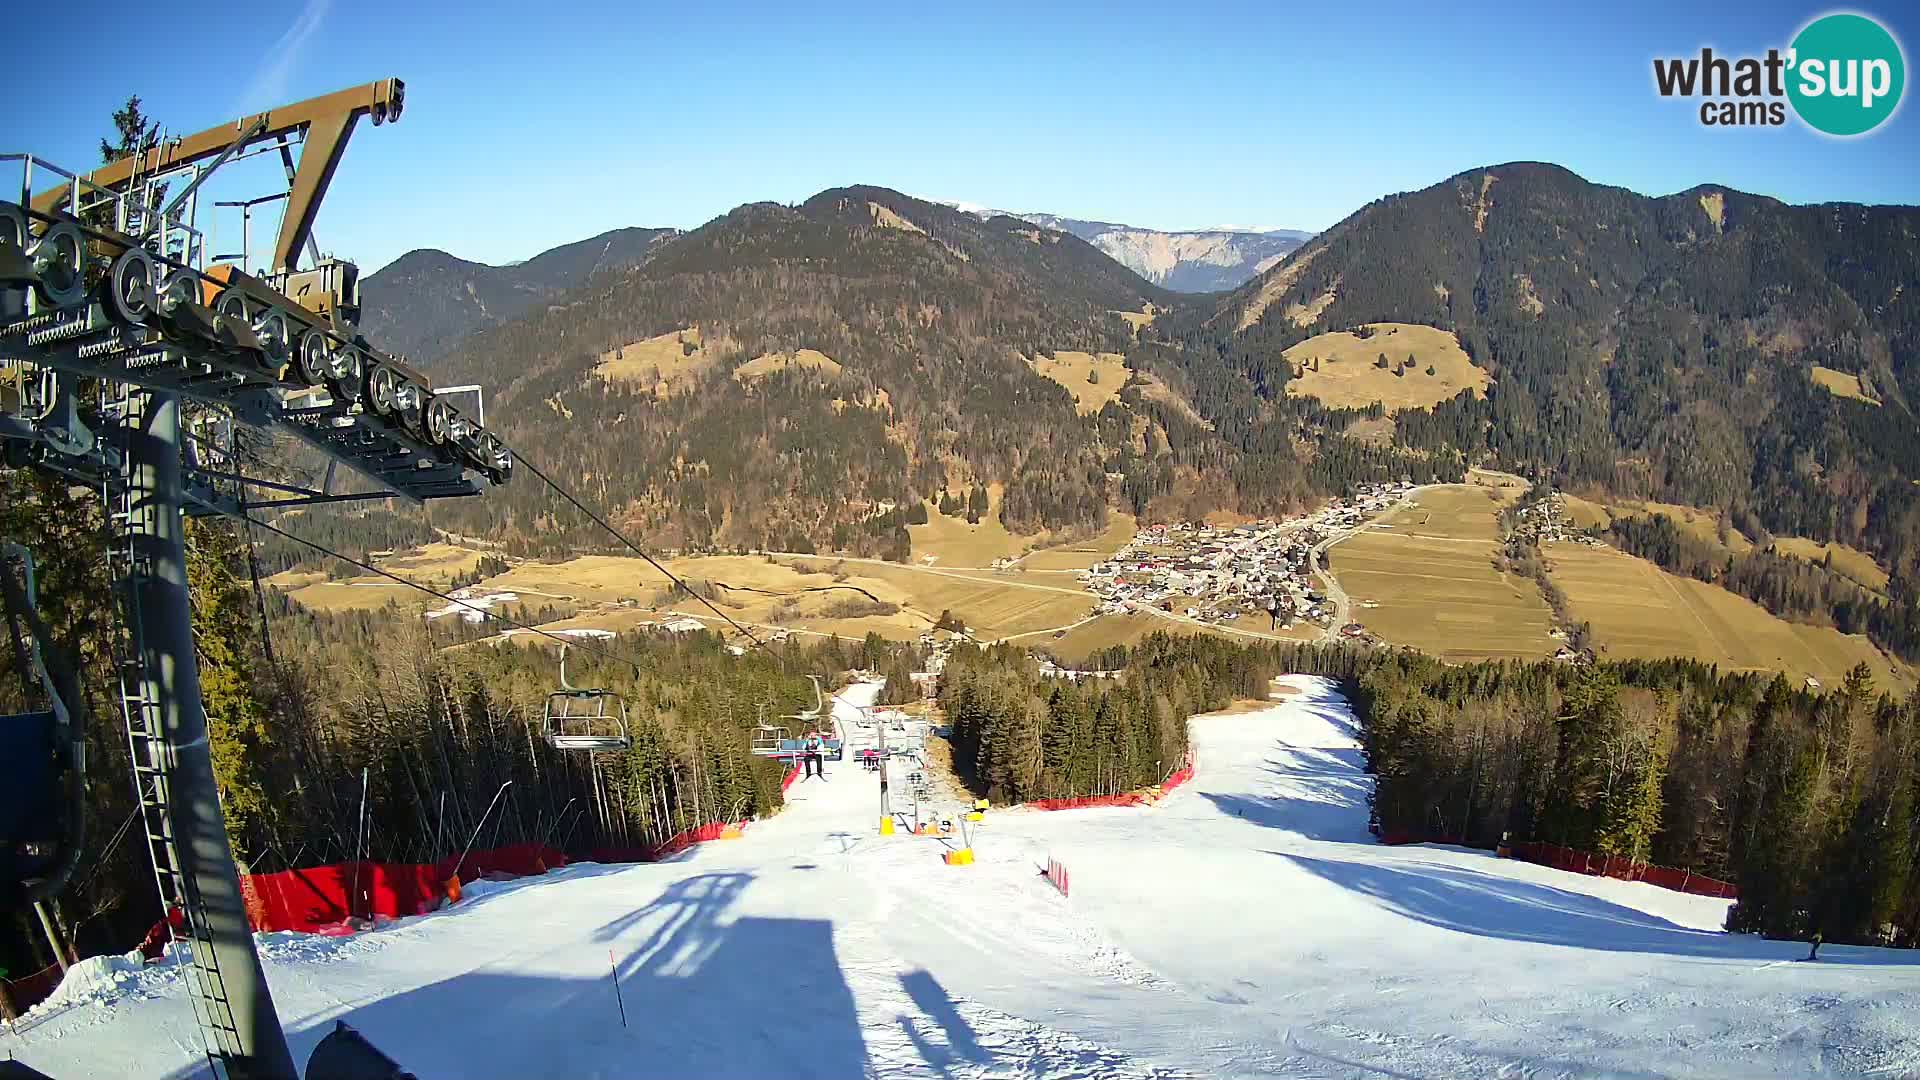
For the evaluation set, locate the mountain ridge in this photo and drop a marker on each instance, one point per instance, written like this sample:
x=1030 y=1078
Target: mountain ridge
x=422 y=304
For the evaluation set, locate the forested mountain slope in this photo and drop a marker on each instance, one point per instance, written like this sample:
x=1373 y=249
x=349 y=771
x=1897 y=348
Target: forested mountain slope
x=782 y=375
x=422 y=304
x=1673 y=347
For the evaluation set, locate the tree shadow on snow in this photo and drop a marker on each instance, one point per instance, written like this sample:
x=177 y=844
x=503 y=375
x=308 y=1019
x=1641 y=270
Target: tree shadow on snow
x=1319 y=793
x=1333 y=711
x=1494 y=906
x=703 y=996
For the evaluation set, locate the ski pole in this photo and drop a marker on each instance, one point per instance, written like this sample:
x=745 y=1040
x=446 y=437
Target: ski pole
x=613 y=972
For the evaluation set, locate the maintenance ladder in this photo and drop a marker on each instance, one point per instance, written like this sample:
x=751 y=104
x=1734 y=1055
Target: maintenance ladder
x=122 y=410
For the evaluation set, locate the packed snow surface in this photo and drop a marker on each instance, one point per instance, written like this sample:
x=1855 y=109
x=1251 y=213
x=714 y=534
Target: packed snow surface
x=1247 y=926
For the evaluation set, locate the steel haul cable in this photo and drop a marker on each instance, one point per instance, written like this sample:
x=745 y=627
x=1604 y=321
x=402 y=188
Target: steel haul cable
x=483 y=612
x=637 y=550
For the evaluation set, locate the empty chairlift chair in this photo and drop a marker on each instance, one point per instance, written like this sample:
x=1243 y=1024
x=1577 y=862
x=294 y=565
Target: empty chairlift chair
x=42 y=753
x=585 y=719
x=767 y=740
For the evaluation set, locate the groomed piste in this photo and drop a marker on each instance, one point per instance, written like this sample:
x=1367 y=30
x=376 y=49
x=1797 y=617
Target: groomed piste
x=1247 y=925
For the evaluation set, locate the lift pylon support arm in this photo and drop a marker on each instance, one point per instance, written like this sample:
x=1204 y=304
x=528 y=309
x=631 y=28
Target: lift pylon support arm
x=328 y=122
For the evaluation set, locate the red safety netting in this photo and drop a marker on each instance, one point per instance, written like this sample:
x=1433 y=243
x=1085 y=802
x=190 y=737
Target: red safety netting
x=1142 y=797
x=29 y=990
x=1613 y=866
x=787 y=780
x=1576 y=861
x=1081 y=802
x=1180 y=775
x=312 y=897
x=672 y=846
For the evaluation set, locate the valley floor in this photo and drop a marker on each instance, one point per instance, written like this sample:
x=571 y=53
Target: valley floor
x=1248 y=926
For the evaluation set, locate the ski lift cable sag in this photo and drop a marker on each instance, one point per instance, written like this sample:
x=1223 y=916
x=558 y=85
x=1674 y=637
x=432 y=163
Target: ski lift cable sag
x=638 y=550
x=483 y=612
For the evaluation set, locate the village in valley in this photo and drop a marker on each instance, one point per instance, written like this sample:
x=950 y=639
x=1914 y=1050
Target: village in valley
x=1220 y=574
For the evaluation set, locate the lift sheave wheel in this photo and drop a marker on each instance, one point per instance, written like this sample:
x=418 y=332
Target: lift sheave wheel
x=316 y=358
x=59 y=265
x=15 y=268
x=130 y=287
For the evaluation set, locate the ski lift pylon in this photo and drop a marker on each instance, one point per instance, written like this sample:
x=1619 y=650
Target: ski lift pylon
x=580 y=718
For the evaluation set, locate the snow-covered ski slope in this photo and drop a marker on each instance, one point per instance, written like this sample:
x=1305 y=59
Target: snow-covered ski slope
x=1248 y=926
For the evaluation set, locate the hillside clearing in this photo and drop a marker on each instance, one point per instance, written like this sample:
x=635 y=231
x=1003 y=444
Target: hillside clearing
x=1276 y=286
x=1073 y=371
x=1080 y=554
x=762 y=366
x=435 y=565
x=1849 y=562
x=1152 y=388
x=666 y=363
x=951 y=541
x=1136 y=319
x=1701 y=524
x=1841 y=384
x=1639 y=611
x=1342 y=369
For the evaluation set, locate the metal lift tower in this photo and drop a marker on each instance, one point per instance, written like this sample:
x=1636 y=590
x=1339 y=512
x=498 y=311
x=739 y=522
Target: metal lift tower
x=112 y=315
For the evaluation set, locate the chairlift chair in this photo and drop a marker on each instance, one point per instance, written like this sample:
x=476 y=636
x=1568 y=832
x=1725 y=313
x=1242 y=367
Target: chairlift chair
x=767 y=740
x=585 y=718
x=814 y=721
x=42 y=753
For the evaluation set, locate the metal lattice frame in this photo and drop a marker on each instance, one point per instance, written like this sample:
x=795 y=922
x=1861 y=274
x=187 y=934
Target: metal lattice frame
x=112 y=313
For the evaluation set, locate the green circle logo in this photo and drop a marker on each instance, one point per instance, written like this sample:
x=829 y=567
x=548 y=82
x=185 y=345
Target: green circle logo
x=1847 y=74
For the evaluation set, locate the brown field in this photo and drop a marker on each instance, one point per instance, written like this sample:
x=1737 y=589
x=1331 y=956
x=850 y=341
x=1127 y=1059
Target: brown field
x=289 y=580
x=1851 y=562
x=365 y=593
x=992 y=606
x=1639 y=610
x=434 y=565
x=1080 y=554
x=436 y=562
x=953 y=542
x=1451 y=512
x=1070 y=370
x=1704 y=524
x=1348 y=378
x=803 y=593
x=1441 y=594
x=1586 y=515
x=1494 y=478
x=1110 y=630
x=762 y=366
x=1840 y=384
x=661 y=362
x=1138 y=319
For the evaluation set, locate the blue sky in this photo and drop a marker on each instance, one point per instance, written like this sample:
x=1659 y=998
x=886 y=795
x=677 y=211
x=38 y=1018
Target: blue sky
x=533 y=125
